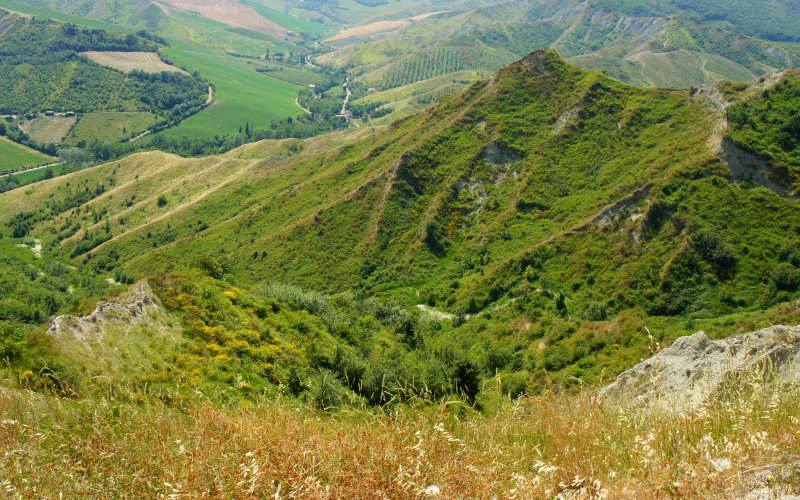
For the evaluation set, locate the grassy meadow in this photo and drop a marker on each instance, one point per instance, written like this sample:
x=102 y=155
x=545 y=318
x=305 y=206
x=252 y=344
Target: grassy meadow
x=533 y=447
x=47 y=129
x=15 y=156
x=241 y=95
x=109 y=126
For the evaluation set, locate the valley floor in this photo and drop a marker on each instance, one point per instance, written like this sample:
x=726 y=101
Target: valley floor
x=555 y=446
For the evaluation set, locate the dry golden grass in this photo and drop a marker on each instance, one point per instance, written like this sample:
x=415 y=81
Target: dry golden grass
x=129 y=61
x=368 y=29
x=542 y=447
x=48 y=128
x=232 y=13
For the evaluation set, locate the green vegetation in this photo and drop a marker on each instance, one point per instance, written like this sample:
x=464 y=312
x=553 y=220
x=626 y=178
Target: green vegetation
x=109 y=126
x=440 y=61
x=454 y=209
x=455 y=284
x=44 y=72
x=776 y=21
x=770 y=126
x=15 y=156
x=297 y=24
x=241 y=95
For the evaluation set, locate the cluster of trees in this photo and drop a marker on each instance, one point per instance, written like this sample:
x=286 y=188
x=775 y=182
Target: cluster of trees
x=42 y=70
x=353 y=351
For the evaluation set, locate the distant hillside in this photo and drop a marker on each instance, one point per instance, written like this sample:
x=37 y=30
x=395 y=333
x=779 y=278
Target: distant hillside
x=644 y=43
x=43 y=70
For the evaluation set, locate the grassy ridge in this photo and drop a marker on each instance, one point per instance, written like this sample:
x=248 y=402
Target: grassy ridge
x=770 y=126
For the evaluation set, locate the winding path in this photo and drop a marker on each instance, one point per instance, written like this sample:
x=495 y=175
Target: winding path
x=297 y=101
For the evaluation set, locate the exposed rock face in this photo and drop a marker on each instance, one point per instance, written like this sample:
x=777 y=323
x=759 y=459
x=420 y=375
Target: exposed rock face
x=694 y=369
x=134 y=306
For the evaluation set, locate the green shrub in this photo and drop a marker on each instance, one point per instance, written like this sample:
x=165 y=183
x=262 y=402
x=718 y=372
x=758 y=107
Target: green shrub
x=13 y=341
x=785 y=277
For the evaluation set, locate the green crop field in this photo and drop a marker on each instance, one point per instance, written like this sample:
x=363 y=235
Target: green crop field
x=15 y=156
x=49 y=14
x=241 y=95
x=289 y=21
x=38 y=175
x=109 y=126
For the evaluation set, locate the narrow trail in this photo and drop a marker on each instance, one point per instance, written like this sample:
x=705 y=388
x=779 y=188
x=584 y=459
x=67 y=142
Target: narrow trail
x=32 y=169
x=347 y=95
x=146 y=132
x=210 y=95
x=305 y=110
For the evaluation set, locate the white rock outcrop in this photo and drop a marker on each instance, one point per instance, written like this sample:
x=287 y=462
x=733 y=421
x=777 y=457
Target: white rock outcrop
x=695 y=368
x=134 y=306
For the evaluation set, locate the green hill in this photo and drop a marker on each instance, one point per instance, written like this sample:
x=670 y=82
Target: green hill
x=551 y=212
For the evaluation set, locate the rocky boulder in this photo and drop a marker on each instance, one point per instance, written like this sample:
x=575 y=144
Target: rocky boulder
x=134 y=306
x=695 y=368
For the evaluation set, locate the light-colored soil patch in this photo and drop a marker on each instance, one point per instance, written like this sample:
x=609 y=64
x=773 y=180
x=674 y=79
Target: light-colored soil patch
x=49 y=128
x=36 y=248
x=379 y=26
x=422 y=17
x=440 y=315
x=367 y=29
x=232 y=13
x=129 y=61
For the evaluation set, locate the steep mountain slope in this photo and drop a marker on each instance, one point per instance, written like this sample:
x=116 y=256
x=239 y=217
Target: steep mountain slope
x=558 y=208
x=521 y=171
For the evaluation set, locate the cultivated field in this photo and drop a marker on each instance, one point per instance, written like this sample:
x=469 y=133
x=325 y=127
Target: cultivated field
x=14 y=157
x=232 y=13
x=107 y=126
x=378 y=26
x=48 y=129
x=241 y=95
x=367 y=29
x=129 y=61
